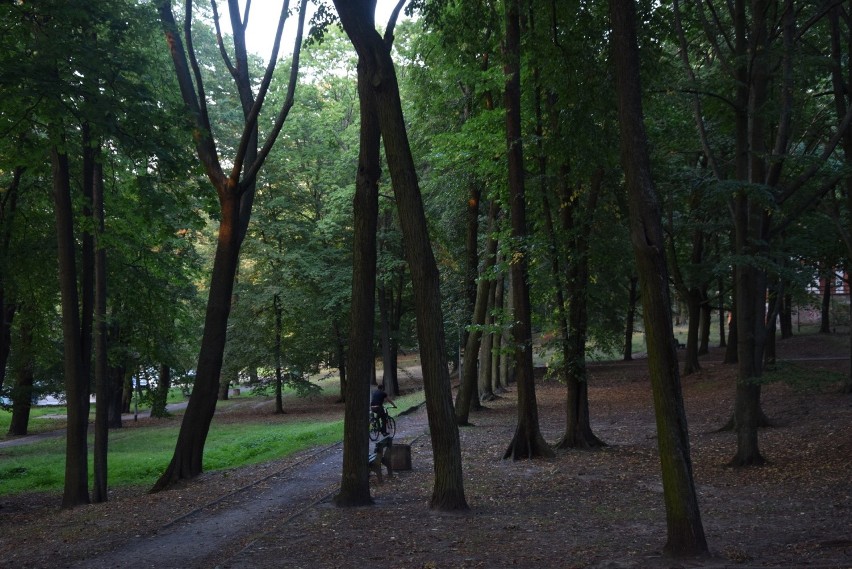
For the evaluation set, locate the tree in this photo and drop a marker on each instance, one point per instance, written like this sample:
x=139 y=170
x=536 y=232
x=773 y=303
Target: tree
x=358 y=21
x=235 y=192
x=763 y=89
x=685 y=530
x=527 y=441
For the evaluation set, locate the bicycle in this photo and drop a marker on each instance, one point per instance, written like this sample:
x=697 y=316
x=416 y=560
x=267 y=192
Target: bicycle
x=376 y=425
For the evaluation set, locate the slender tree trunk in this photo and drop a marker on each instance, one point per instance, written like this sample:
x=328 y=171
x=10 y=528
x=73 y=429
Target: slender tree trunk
x=825 y=313
x=705 y=324
x=528 y=441
x=471 y=251
x=340 y=359
x=750 y=231
x=116 y=380
x=486 y=351
x=76 y=490
x=466 y=398
x=279 y=380
x=497 y=356
x=693 y=307
x=8 y=205
x=685 y=530
x=161 y=393
x=189 y=450
x=632 y=299
x=102 y=385
x=354 y=486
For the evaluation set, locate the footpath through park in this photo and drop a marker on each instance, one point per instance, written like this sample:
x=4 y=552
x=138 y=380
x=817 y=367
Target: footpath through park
x=247 y=527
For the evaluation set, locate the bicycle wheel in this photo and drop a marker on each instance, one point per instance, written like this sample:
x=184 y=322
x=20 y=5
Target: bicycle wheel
x=375 y=428
x=390 y=426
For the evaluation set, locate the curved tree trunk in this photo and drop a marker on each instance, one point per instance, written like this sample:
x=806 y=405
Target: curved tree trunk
x=685 y=530
x=357 y=18
x=189 y=450
x=235 y=191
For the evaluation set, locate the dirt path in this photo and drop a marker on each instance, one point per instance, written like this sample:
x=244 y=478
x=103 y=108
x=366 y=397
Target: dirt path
x=231 y=531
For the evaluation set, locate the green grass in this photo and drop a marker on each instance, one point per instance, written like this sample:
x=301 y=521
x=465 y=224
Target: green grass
x=137 y=456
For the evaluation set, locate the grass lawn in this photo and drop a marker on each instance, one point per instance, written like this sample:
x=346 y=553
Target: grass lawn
x=138 y=455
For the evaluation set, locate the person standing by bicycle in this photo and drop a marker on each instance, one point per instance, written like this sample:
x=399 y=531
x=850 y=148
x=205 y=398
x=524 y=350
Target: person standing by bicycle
x=377 y=405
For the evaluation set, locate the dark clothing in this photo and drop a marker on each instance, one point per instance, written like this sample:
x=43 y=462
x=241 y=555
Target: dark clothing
x=377 y=401
x=378 y=398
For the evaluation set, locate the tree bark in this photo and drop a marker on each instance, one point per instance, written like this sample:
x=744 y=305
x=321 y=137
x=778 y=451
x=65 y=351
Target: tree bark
x=467 y=398
x=577 y=224
x=354 y=486
x=161 y=393
x=528 y=441
x=24 y=376
x=76 y=491
x=279 y=379
x=685 y=530
x=632 y=299
x=8 y=205
x=357 y=18
x=102 y=385
x=235 y=192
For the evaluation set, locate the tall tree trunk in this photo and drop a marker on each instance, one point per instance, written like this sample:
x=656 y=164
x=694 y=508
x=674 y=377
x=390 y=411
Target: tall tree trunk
x=357 y=18
x=279 y=380
x=497 y=355
x=354 y=486
x=471 y=252
x=76 y=489
x=685 y=530
x=527 y=441
x=8 y=205
x=750 y=231
x=577 y=224
x=189 y=450
x=486 y=350
x=102 y=385
x=116 y=380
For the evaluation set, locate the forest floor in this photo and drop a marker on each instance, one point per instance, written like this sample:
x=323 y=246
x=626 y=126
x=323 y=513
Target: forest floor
x=581 y=509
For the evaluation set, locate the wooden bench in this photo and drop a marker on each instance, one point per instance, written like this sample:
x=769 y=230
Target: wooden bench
x=380 y=456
